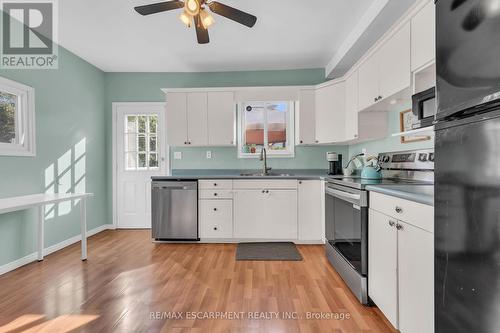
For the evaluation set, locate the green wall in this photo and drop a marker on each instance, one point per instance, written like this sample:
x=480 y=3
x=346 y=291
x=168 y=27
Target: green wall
x=70 y=143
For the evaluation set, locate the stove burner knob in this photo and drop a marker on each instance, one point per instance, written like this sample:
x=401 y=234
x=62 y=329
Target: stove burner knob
x=431 y=157
x=422 y=157
x=386 y=159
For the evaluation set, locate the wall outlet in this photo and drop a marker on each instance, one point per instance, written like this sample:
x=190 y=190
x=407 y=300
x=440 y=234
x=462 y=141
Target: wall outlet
x=178 y=155
x=209 y=154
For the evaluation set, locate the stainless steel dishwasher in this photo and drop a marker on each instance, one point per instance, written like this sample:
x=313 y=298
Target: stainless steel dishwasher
x=174 y=210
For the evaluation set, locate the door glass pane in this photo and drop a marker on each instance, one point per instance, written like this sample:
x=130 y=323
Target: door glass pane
x=142 y=120
x=142 y=160
x=152 y=144
x=276 y=125
x=153 y=160
x=131 y=124
x=131 y=142
x=253 y=127
x=8 y=108
x=153 y=123
x=142 y=143
x=131 y=161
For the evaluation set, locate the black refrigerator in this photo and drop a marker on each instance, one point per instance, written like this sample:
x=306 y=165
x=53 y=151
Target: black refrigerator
x=467 y=167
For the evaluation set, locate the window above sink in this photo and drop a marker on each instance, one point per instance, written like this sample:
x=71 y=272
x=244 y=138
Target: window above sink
x=266 y=124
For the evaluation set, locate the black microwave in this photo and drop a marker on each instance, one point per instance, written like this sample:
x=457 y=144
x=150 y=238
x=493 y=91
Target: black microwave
x=424 y=108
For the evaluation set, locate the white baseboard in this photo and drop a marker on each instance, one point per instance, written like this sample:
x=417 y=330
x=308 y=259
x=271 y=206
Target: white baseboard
x=51 y=249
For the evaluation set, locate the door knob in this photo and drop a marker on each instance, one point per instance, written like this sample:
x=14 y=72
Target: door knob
x=399 y=210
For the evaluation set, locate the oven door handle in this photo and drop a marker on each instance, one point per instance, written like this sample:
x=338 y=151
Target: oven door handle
x=342 y=194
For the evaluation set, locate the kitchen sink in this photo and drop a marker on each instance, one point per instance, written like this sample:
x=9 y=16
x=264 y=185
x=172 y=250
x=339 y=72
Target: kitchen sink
x=271 y=174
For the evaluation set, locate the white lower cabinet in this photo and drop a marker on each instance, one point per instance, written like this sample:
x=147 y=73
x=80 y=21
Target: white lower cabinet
x=216 y=218
x=265 y=214
x=382 y=264
x=416 y=279
x=310 y=210
x=401 y=262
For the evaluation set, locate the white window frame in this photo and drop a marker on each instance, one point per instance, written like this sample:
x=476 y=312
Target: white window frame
x=290 y=134
x=25 y=119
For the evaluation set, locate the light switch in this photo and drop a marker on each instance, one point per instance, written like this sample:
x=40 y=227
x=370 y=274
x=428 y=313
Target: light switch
x=209 y=154
x=178 y=155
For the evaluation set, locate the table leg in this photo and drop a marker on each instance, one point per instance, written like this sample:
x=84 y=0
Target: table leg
x=41 y=218
x=83 y=227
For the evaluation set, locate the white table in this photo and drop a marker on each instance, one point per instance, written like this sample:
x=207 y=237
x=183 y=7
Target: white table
x=39 y=201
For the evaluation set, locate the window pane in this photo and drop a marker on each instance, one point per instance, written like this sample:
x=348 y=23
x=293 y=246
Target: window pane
x=142 y=143
x=142 y=160
x=131 y=142
x=276 y=125
x=131 y=161
x=153 y=160
x=131 y=124
x=142 y=123
x=152 y=144
x=8 y=106
x=253 y=122
x=153 y=123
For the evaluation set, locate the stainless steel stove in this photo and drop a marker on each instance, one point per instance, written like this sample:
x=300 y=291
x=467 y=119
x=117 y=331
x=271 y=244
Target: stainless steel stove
x=346 y=212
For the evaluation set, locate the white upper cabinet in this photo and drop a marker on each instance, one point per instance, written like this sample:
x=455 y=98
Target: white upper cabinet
x=351 y=107
x=395 y=73
x=176 y=118
x=305 y=118
x=368 y=82
x=387 y=71
x=221 y=118
x=423 y=36
x=330 y=113
x=197 y=118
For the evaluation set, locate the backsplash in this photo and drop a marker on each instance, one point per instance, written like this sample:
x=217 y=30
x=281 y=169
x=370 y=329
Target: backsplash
x=227 y=158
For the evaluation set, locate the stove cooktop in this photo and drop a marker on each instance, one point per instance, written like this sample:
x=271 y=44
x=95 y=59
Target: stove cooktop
x=360 y=183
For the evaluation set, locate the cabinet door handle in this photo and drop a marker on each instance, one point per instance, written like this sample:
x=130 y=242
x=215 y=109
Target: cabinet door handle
x=392 y=223
x=399 y=210
x=215 y=184
x=399 y=226
x=300 y=182
x=215 y=209
x=375 y=99
x=215 y=228
x=215 y=194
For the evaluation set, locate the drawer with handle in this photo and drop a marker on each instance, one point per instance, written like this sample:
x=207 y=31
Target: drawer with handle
x=216 y=218
x=216 y=194
x=212 y=184
x=417 y=214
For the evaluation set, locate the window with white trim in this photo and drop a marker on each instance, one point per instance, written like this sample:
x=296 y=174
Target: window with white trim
x=17 y=118
x=269 y=125
x=141 y=142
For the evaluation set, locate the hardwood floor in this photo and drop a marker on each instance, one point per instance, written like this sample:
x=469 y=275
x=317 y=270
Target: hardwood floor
x=130 y=284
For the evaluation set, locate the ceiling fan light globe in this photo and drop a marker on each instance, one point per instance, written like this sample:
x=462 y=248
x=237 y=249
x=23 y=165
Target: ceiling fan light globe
x=206 y=19
x=185 y=18
x=192 y=7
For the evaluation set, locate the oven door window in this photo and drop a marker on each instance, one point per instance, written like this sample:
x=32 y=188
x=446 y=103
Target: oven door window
x=344 y=230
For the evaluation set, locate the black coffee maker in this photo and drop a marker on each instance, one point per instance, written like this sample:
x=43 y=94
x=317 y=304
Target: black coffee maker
x=335 y=161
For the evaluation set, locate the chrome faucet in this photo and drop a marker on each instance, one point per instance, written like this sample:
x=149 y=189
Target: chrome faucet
x=263 y=157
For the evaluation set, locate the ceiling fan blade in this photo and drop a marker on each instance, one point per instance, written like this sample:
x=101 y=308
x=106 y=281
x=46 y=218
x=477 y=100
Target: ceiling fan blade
x=233 y=13
x=159 y=7
x=201 y=31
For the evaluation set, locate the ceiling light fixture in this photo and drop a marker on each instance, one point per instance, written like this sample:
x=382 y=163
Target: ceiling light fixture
x=186 y=18
x=192 y=7
x=206 y=19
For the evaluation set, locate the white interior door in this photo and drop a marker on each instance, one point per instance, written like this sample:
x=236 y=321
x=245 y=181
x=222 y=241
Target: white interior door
x=140 y=152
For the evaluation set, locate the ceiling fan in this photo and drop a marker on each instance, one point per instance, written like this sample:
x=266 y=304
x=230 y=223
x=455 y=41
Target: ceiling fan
x=194 y=11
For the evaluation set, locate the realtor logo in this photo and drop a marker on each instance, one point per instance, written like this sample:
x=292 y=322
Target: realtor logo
x=29 y=34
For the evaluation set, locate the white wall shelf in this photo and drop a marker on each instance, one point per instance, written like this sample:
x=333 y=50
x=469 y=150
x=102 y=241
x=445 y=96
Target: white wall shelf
x=429 y=130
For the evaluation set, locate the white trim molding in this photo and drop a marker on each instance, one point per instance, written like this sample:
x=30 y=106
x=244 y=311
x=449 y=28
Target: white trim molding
x=51 y=249
x=25 y=119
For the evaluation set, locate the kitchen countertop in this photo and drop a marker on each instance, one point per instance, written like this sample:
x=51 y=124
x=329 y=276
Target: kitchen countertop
x=419 y=193
x=302 y=174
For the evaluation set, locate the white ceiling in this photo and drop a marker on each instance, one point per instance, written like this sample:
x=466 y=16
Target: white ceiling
x=289 y=34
